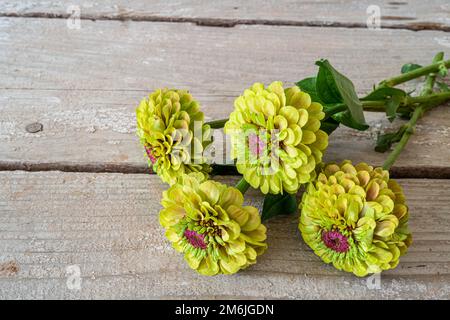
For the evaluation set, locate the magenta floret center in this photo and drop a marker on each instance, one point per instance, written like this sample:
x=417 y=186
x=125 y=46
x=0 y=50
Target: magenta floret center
x=197 y=240
x=256 y=144
x=152 y=158
x=335 y=241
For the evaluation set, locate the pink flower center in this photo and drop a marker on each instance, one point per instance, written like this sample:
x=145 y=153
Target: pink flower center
x=256 y=144
x=335 y=241
x=195 y=239
x=152 y=158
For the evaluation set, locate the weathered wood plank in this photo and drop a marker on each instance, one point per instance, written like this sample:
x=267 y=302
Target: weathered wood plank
x=83 y=85
x=107 y=225
x=413 y=14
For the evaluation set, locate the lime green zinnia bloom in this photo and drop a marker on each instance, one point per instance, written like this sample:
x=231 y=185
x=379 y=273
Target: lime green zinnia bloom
x=276 y=137
x=355 y=217
x=170 y=127
x=206 y=220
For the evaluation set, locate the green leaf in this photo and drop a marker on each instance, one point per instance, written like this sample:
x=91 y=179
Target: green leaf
x=392 y=96
x=347 y=120
x=383 y=94
x=278 y=204
x=385 y=141
x=410 y=67
x=405 y=115
x=329 y=125
x=443 y=71
x=308 y=85
x=326 y=87
x=391 y=107
x=334 y=87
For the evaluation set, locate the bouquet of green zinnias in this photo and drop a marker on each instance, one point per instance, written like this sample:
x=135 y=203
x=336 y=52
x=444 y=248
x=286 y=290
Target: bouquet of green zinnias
x=351 y=215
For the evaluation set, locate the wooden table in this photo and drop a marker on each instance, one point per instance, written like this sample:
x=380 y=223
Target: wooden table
x=77 y=195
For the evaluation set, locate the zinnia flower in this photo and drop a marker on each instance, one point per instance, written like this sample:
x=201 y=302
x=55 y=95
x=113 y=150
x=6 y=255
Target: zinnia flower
x=355 y=217
x=170 y=127
x=206 y=220
x=276 y=137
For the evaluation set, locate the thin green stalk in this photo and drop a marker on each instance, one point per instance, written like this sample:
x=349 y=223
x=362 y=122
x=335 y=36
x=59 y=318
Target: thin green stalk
x=216 y=124
x=223 y=169
x=374 y=106
x=432 y=68
x=242 y=185
x=417 y=114
x=429 y=98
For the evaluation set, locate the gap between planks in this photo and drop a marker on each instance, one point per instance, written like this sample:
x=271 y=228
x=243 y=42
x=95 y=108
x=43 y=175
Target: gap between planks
x=409 y=172
x=230 y=23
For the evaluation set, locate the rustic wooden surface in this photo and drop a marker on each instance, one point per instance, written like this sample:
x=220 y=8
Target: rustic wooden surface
x=107 y=224
x=83 y=86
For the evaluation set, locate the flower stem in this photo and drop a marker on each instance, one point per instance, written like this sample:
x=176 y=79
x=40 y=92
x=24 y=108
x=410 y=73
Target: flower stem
x=428 y=97
x=367 y=106
x=216 y=124
x=432 y=68
x=242 y=185
x=223 y=169
x=373 y=106
x=428 y=101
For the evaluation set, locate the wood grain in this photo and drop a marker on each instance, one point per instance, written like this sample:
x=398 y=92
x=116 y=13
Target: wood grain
x=411 y=14
x=83 y=85
x=107 y=225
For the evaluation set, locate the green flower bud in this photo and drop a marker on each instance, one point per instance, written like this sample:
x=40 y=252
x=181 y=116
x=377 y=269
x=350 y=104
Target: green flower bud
x=207 y=222
x=276 y=137
x=356 y=218
x=170 y=127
